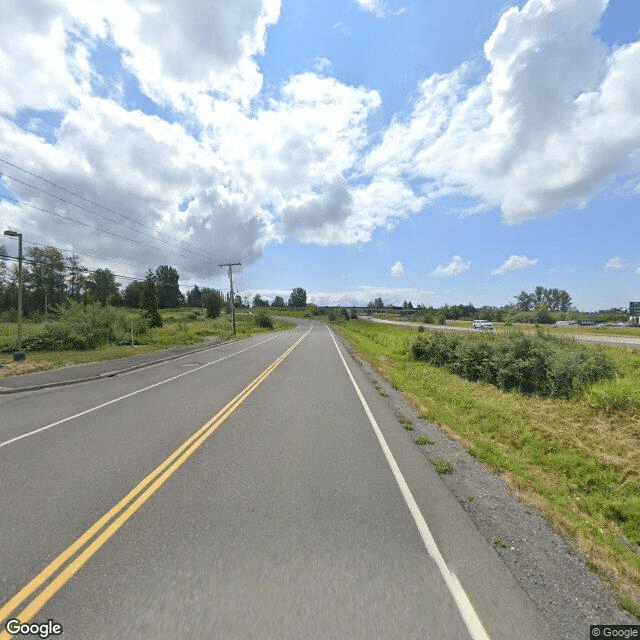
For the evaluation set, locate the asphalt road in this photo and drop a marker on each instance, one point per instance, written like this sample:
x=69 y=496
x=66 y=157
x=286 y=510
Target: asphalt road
x=299 y=509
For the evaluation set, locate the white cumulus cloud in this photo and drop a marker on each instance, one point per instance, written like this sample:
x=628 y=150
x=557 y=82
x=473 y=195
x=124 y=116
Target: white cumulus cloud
x=397 y=270
x=554 y=120
x=514 y=263
x=617 y=263
x=457 y=266
x=377 y=7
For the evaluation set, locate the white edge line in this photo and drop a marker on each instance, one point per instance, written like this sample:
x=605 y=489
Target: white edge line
x=468 y=613
x=133 y=393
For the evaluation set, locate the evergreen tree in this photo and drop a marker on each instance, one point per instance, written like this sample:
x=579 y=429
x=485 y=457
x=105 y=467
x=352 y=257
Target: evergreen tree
x=298 y=298
x=167 y=287
x=149 y=303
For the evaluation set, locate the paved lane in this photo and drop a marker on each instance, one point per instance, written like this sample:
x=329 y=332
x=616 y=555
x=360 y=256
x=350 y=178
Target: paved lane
x=286 y=522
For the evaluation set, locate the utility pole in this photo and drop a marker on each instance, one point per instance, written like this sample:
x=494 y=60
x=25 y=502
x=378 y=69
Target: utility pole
x=19 y=354
x=230 y=266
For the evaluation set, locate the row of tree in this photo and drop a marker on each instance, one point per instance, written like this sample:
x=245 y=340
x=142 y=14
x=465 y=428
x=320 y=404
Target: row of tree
x=551 y=299
x=50 y=279
x=541 y=297
x=297 y=299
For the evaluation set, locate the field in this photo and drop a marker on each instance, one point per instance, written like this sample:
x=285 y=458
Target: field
x=180 y=327
x=577 y=460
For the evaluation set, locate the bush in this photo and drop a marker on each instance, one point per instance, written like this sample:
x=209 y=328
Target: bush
x=540 y=364
x=213 y=301
x=8 y=344
x=474 y=360
x=263 y=319
x=437 y=348
x=79 y=327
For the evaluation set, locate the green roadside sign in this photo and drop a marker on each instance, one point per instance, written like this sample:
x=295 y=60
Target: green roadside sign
x=634 y=308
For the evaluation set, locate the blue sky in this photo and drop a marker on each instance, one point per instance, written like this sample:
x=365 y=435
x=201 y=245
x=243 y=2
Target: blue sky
x=445 y=151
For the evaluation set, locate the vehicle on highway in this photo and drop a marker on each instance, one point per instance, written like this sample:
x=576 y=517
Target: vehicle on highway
x=482 y=324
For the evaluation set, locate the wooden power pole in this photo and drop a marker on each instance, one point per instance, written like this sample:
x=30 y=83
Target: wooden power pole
x=230 y=266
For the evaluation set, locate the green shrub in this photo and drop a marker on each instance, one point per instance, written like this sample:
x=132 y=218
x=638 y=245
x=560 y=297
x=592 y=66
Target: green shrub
x=540 y=364
x=263 y=319
x=474 y=359
x=8 y=344
x=437 y=348
x=79 y=327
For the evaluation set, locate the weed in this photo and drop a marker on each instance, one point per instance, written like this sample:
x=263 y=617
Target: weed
x=406 y=423
x=499 y=542
x=422 y=440
x=631 y=605
x=442 y=466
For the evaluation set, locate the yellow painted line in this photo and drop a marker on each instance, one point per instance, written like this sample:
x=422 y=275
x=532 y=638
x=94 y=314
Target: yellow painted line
x=126 y=508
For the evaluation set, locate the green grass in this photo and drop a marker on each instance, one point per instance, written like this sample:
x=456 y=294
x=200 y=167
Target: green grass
x=422 y=440
x=181 y=327
x=577 y=460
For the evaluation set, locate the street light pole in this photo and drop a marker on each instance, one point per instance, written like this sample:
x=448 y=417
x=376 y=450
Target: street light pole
x=19 y=354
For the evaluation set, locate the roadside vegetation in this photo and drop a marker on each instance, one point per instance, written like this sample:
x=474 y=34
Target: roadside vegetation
x=575 y=454
x=546 y=365
x=79 y=333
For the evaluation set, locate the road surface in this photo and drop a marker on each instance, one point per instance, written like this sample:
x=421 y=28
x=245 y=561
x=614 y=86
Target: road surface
x=261 y=489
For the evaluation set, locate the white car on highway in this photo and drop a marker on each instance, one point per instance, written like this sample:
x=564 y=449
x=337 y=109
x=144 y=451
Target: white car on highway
x=482 y=324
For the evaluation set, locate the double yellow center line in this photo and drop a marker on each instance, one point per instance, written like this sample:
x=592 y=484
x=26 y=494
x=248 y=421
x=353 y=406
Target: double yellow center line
x=72 y=559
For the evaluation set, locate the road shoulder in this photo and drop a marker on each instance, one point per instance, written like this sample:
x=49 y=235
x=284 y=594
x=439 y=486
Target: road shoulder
x=545 y=565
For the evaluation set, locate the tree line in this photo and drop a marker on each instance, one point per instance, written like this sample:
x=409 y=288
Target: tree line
x=50 y=279
x=551 y=299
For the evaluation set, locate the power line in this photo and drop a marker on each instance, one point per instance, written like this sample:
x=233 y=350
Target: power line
x=97 y=204
x=98 y=215
x=86 y=255
x=82 y=269
x=95 y=228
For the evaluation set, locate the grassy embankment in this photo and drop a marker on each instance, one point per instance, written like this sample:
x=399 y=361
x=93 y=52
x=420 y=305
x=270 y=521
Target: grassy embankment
x=182 y=326
x=578 y=460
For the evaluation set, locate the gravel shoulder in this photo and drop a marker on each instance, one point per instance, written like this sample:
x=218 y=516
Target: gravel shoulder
x=547 y=566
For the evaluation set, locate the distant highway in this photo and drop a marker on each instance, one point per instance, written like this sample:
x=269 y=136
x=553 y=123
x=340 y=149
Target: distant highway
x=261 y=489
x=633 y=343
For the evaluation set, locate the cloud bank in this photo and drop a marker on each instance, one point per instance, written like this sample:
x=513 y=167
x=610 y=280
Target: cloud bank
x=552 y=122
